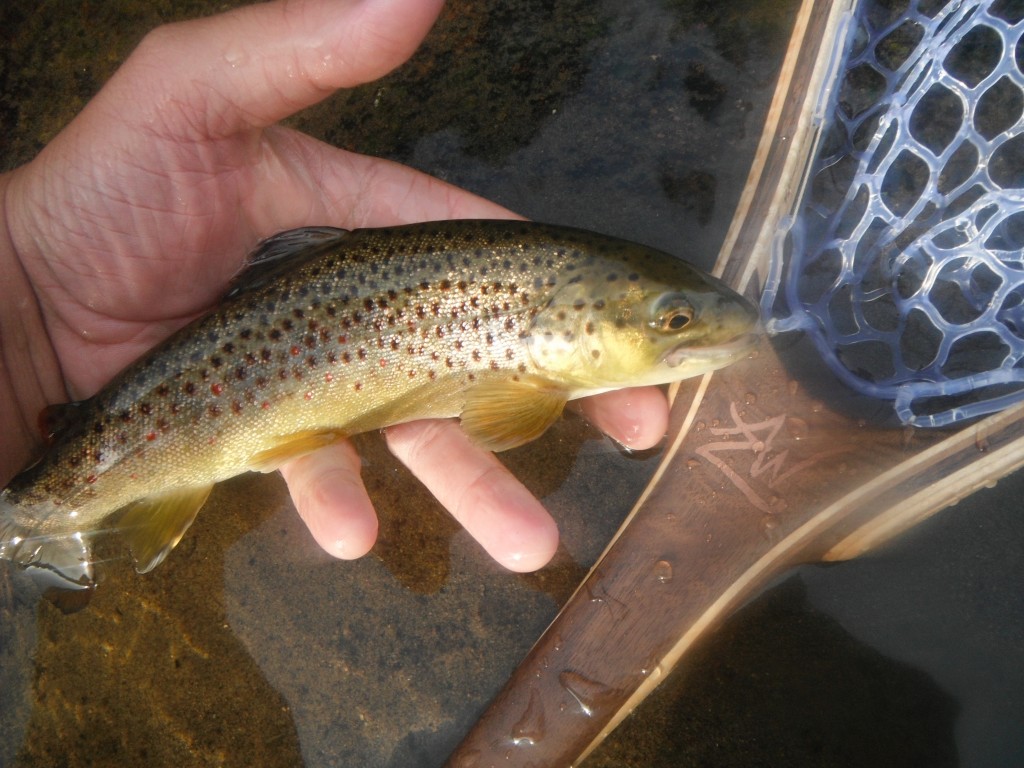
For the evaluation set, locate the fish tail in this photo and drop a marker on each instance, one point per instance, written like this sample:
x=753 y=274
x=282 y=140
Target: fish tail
x=57 y=563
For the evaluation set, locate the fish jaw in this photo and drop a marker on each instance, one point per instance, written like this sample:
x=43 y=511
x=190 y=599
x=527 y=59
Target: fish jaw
x=690 y=361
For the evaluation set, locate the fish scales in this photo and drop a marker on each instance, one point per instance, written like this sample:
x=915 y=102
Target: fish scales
x=331 y=333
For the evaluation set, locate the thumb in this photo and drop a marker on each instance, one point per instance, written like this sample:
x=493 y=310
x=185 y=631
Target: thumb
x=251 y=67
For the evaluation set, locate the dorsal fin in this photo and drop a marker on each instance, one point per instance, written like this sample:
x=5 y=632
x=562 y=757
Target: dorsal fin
x=55 y=419
x=282 y=252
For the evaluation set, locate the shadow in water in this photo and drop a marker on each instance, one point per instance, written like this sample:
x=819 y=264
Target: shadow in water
x=784 y=684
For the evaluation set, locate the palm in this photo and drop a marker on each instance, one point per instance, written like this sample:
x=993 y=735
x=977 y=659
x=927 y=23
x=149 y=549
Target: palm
x=138 y=260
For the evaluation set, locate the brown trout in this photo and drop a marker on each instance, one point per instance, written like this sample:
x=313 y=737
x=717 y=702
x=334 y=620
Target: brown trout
x=330 y=332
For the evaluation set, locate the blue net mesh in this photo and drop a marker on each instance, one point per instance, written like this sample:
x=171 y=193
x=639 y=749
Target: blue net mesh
x=905 y=261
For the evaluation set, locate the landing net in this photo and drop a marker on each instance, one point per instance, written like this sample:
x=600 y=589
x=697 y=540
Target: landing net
x=905 y=260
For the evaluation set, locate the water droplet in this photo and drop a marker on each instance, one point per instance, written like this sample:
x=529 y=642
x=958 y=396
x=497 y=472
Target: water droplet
x=750 y=398
x=692 y=463
x=530 y=728
x=663 y=571
x=758 y=446
x=652 y=670
x=700 y=425
x=796 y=427
x=793 y=387
x=590 y=695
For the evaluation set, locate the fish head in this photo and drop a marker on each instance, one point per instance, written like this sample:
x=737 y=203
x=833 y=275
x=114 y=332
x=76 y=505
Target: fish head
x=644 y=318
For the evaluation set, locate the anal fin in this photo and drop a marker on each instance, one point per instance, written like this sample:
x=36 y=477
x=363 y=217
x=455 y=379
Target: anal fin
x=153 y=526
x=505 y=414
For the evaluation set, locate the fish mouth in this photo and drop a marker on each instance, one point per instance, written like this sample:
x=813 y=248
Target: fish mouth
x=717 y=355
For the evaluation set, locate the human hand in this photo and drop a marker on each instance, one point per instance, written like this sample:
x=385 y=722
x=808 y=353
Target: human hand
x=133 y=220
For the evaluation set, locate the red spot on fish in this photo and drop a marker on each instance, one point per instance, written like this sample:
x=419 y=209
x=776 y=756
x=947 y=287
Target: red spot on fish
x=343 y=339
x=151 y=436
x=295 y=351
x=309 y=395
x=91 y=479
x=216 y=388
x=328 y=377
x=265 y=404
x=383 y=363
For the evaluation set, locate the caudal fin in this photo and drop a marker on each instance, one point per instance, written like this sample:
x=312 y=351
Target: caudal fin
x=60 y=564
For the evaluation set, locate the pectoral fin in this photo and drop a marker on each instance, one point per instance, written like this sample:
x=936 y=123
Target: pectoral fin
x=290 y=447
x=504 y=414
x=154 y=525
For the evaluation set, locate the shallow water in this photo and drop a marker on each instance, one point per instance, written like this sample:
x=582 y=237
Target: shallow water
x=249 y=646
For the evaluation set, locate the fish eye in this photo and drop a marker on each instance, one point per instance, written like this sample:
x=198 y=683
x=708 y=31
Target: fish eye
x=672 y=314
